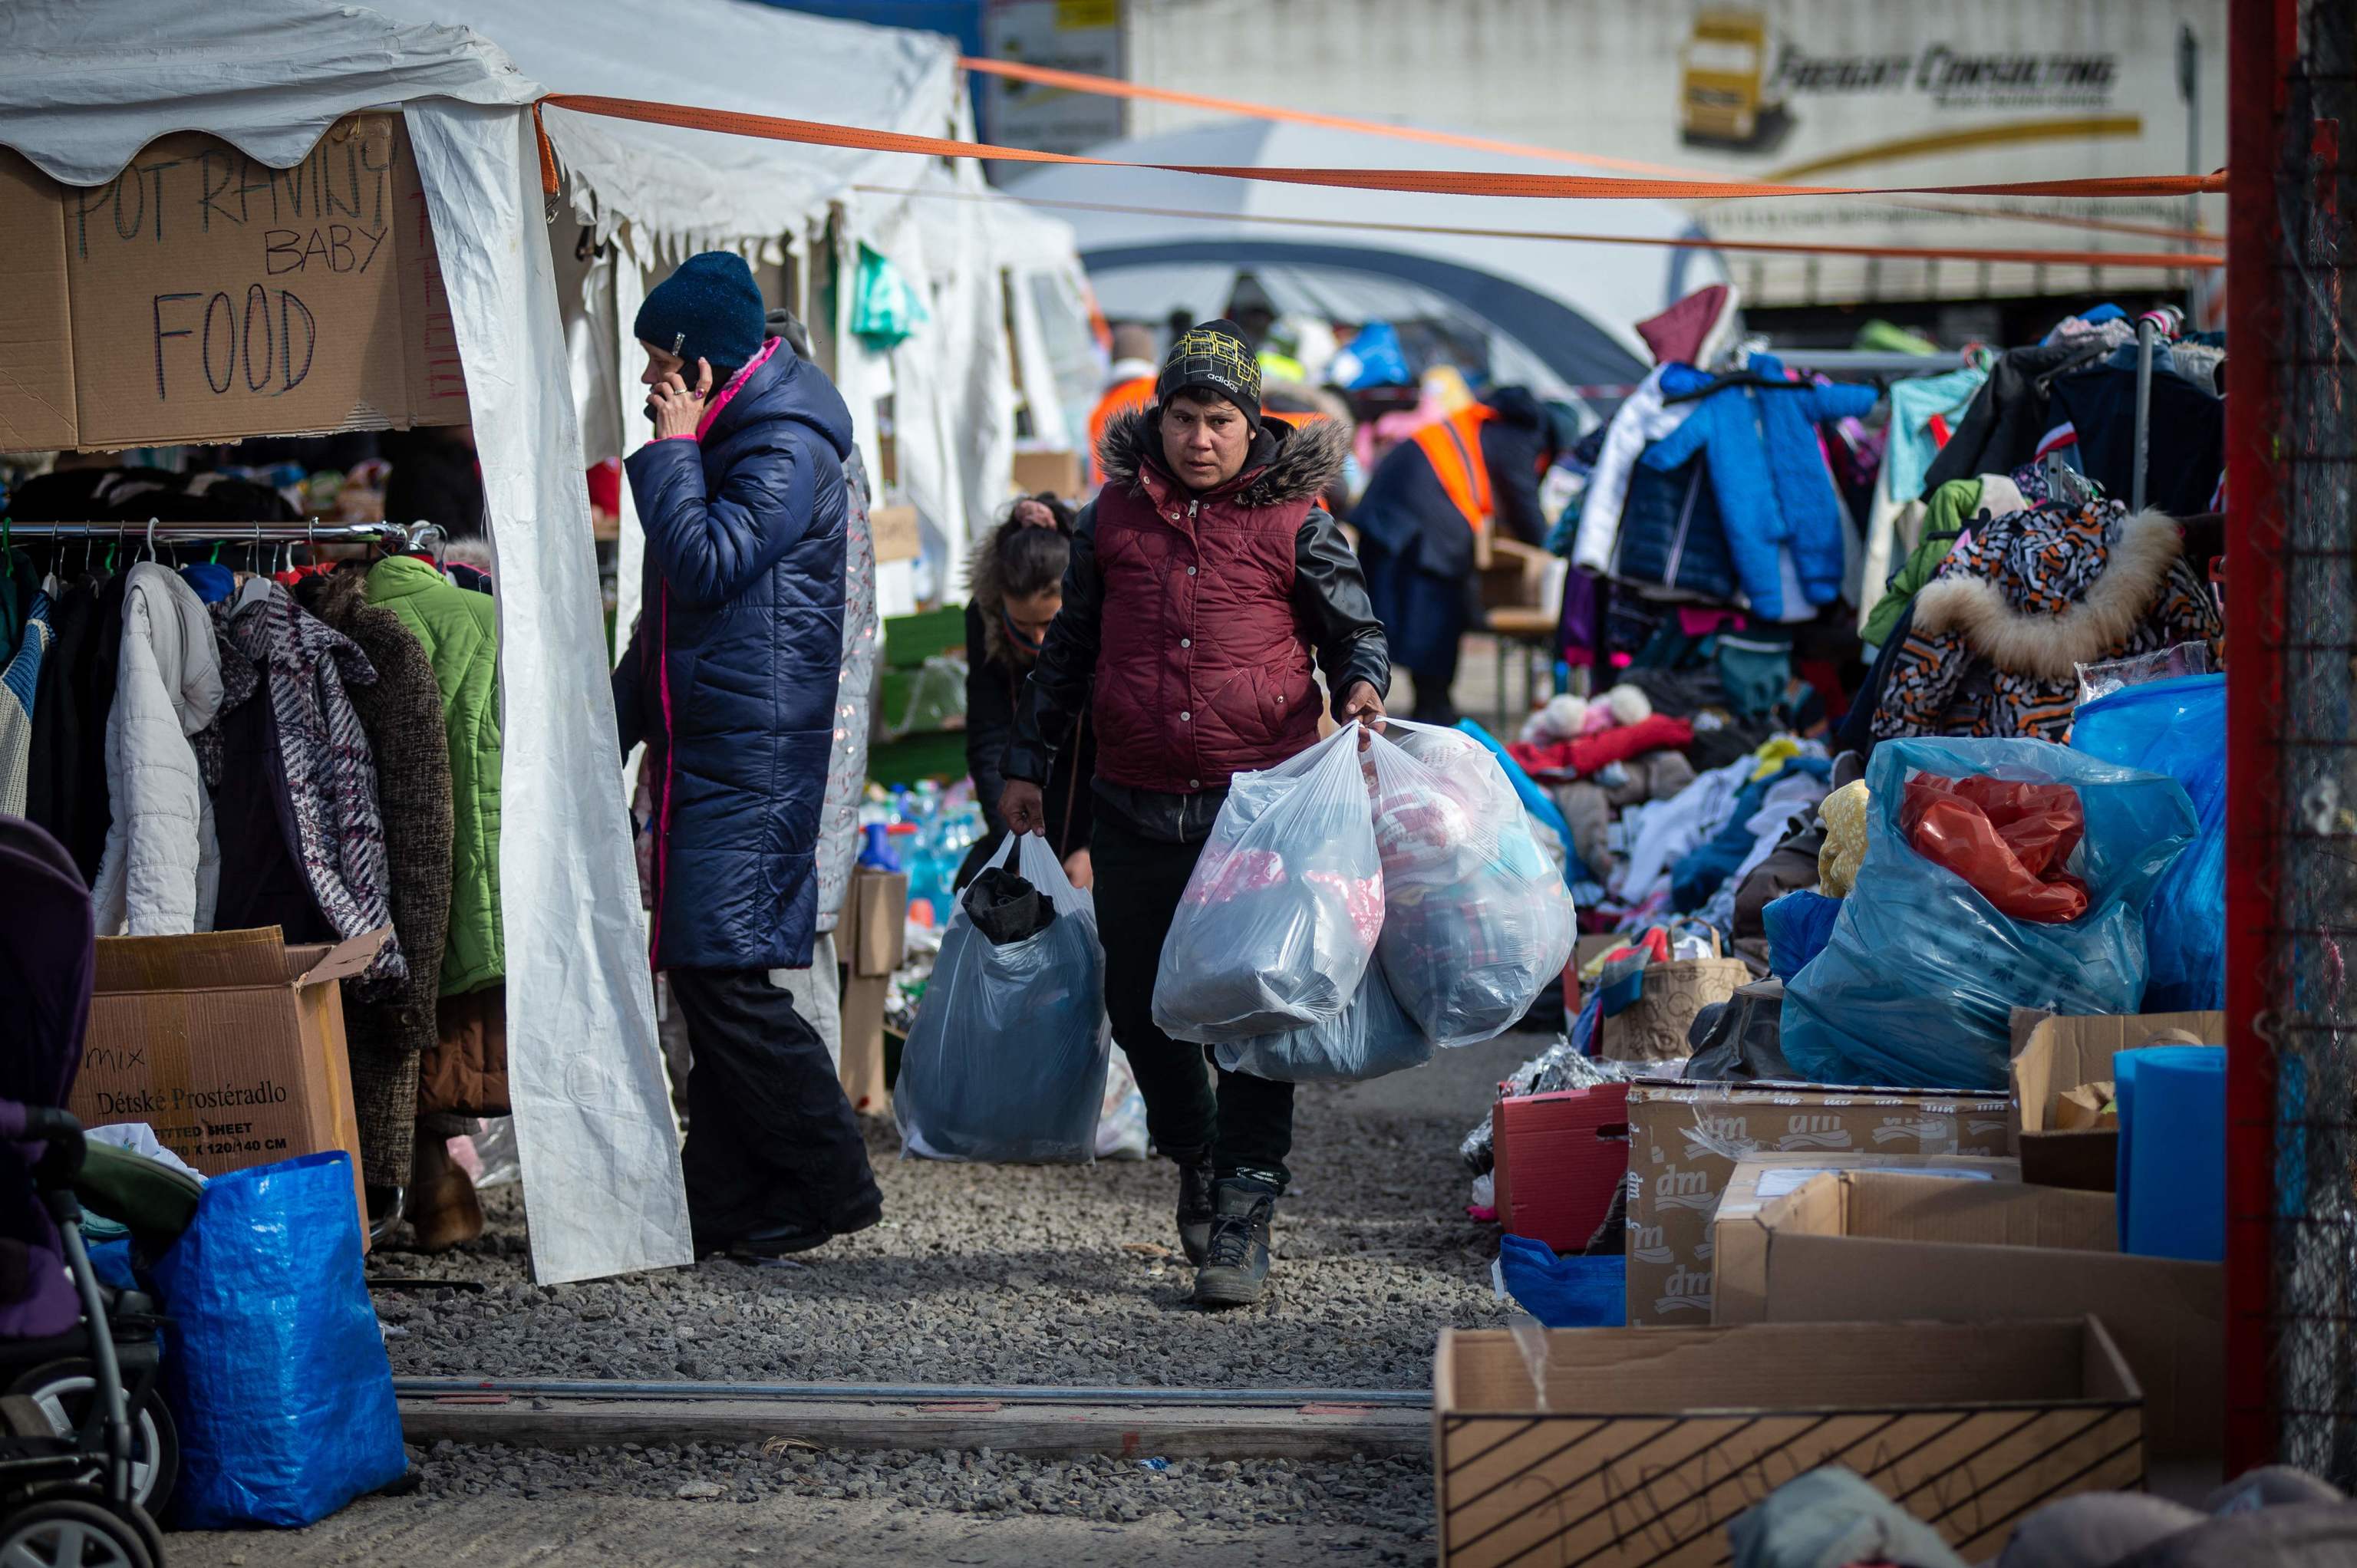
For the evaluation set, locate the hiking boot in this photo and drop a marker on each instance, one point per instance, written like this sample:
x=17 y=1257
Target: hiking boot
x=1196 y=1206
x=1235 y=1269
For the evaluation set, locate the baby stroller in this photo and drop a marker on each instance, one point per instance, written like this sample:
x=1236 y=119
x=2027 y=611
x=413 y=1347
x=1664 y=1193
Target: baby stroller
x=67 y=1449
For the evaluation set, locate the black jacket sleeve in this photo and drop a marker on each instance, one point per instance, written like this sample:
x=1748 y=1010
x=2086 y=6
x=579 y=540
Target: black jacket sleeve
x=1330 y=596
x=1058 y=689
x=989 y=719
x=629 y=692
x=1512 y=452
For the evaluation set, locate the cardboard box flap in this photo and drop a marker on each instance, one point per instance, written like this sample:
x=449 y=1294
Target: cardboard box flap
x=317 y=965
x=2062 y=1053
x=1897 y=1207
x=205 y=960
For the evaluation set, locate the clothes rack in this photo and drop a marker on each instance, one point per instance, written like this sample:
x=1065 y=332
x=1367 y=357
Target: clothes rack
x=412 y=536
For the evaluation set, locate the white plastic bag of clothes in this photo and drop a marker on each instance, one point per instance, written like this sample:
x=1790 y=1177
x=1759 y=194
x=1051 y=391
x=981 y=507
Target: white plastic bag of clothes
x=1279 y=918
x=1006 y=1059
x=1120 y=1116
x=1476 y=921
x=1371 y=1037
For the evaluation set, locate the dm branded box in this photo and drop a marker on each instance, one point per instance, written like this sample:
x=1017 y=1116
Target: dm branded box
x=1622 y=1448
x=230 y=1044
x=2059 y=1054
x=1882 y=1247
x=203 y=296
x=1686 y=1140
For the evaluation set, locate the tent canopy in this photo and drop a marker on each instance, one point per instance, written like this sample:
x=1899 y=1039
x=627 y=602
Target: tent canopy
x=84 y=84
x=1569 y=306
x=705 y=188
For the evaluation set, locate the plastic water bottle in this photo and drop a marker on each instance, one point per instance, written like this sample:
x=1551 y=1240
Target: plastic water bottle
x=876 y=852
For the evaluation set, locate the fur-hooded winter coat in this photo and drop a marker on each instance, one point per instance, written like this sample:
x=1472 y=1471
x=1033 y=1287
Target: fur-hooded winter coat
x=1997 y=635
x=1195 y=615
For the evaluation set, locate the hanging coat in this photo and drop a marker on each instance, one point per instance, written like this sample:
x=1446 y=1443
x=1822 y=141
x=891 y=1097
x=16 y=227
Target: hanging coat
x=19 y=680
x=335 y=827
x=460 y=633
x=160 y=873
x=1774 y=491
x=401 y=713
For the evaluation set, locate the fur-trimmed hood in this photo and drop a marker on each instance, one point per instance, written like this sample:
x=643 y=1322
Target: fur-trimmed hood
x=1305 y=459
x=2047 y=607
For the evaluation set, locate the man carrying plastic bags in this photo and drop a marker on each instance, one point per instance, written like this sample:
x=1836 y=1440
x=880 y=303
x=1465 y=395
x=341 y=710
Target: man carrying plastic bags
x=1201 y=579
x=1006 y=1059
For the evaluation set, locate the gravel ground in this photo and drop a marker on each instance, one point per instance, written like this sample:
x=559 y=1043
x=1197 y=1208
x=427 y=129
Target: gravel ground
x=1027 y=1275
x=978 y=1274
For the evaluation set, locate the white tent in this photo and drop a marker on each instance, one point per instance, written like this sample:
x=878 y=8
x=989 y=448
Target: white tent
x=594 y=1130
x=1559 y=314
x=592 y=1109
x=652 y=195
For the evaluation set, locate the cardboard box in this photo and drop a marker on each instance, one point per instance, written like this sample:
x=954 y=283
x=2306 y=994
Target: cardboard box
x=871 y=939
x=1056 y=473
x=2055 y=1054
x=1739 y=1231
x=1686 y=1140
x=1648 y=1443
x=896 y=533
x=1559 y=1157
x=230 y=1044
x=1871 y=1245
x=202 y=296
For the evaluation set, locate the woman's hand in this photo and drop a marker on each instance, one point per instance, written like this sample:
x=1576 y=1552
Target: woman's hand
x=677 y=409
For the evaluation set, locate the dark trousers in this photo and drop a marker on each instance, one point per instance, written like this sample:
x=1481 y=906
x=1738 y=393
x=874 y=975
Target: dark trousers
x=1246 y=1123
x=771 y=1144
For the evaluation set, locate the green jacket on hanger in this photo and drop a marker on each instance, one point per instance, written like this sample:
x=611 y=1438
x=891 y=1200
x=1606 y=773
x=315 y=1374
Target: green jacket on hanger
x=460 y=631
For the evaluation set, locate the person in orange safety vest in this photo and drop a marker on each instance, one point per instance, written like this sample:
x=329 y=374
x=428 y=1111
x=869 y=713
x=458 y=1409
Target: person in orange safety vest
x=1128 y=386
x=1426 y=504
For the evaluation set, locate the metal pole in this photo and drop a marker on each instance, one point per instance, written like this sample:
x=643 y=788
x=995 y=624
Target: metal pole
x=2146 y=330
x=2189 y=87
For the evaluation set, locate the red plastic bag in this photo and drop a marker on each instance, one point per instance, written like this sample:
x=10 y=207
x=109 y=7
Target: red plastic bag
x=2010 y=840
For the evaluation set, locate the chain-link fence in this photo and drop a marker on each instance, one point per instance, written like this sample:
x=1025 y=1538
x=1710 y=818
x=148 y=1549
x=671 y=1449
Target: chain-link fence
x=2311 y=1018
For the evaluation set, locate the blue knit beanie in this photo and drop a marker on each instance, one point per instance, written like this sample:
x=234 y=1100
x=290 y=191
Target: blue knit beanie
x=709 y=309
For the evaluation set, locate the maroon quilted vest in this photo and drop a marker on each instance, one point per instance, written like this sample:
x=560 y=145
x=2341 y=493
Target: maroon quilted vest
x=1202 y=672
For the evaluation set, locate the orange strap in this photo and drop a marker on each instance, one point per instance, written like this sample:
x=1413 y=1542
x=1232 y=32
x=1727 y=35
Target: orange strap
x=1113 y=87
x=1453 y=448
x=2163 y=259
x=1450 y=182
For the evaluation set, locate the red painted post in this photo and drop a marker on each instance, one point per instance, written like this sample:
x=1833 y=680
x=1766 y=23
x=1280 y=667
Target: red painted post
x=2263 y=39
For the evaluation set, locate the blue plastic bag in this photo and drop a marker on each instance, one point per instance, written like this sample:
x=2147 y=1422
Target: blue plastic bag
x=2177 y=727
x=1916 y=987
x=273 y=1364
x=1576 y=1292
x=1799 y=925
x=2172 y=1156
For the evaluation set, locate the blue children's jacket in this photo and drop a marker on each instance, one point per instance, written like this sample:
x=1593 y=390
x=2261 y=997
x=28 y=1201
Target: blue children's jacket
x=1770 y=476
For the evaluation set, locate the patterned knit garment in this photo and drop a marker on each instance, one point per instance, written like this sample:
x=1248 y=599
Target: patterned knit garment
x=331 y=774
x=2042 y=563
x=17 y=681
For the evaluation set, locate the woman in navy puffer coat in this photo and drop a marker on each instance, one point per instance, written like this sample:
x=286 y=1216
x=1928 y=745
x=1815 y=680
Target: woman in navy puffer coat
x=730 y=679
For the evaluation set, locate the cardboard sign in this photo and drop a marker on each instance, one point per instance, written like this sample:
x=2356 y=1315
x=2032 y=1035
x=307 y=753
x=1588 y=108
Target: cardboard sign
x=202 y=296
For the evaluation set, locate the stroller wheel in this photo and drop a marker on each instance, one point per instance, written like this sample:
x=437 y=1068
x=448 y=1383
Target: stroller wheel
x=69 y=1532
x=66 y=1392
